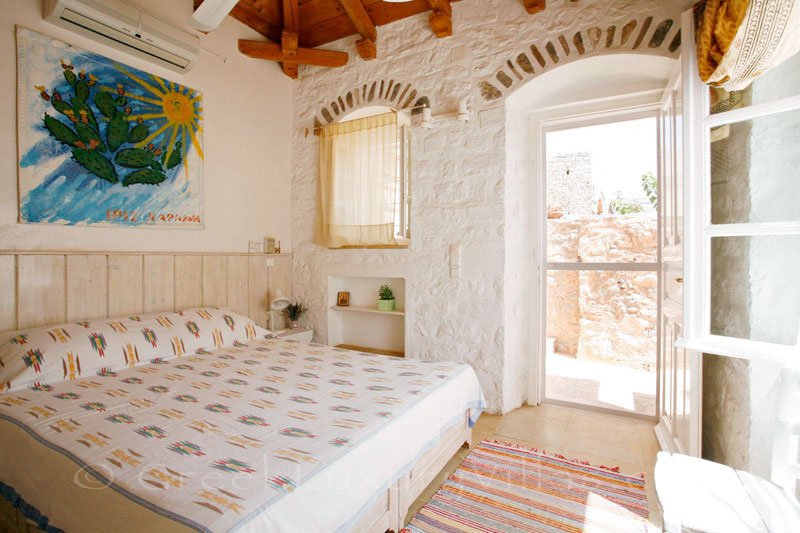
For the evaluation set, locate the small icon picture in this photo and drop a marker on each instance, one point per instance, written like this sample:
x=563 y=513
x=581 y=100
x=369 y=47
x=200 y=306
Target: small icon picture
x=343 y=300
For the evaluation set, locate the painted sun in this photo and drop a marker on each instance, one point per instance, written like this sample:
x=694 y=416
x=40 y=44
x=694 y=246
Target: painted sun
x=176 y=110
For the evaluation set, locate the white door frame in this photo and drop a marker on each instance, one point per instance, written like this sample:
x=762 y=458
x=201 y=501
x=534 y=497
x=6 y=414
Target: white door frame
x=693 y=94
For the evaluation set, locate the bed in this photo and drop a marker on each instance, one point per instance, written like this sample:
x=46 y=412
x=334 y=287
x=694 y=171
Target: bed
x=206 y=422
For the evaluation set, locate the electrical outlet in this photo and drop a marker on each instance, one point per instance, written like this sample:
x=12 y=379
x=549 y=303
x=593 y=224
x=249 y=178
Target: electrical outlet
x=270 y=261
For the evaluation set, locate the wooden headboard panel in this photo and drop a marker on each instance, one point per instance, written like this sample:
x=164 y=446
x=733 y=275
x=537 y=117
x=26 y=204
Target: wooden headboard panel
x=41 y=288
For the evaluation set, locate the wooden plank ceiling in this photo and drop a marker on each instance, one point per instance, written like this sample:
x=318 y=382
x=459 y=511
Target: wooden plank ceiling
x=295 y=28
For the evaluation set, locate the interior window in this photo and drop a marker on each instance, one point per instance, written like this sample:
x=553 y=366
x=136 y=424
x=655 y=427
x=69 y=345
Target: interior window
x=753 y=239
x=365 y=181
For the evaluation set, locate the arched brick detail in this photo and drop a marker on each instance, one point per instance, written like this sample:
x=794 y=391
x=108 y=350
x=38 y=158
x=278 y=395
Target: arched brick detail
x=644 y=35
x=391 y=93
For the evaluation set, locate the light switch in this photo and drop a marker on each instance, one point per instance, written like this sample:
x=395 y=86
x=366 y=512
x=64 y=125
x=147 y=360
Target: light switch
x=455 y=261
x=270 y=261
x=455 y=256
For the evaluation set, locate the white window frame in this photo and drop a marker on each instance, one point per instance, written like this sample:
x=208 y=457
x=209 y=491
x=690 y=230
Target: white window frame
x=699 y=230
x=404 y=178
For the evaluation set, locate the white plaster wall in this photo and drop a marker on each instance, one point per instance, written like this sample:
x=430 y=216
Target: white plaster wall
x=466 y=189
x=519 y=253
x=248 y=110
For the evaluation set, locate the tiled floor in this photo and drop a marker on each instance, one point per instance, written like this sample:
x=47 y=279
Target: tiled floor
x=599 y=438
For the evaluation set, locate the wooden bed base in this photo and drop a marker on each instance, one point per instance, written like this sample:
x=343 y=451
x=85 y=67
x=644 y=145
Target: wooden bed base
x=12 y=521
x=388 y=513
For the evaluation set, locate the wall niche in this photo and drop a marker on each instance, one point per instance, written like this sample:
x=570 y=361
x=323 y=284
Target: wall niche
x=361 y=325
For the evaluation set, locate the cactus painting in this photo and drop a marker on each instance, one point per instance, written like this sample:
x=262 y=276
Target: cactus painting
x=102 y=143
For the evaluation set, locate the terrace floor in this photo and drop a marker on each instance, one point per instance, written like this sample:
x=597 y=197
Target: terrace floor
x=600 y=385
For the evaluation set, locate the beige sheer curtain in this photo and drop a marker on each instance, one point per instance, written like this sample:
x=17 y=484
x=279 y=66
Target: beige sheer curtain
x=738 y=40
x=358 y=183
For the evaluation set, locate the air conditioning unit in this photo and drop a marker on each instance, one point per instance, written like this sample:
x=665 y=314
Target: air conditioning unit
x=128 y=29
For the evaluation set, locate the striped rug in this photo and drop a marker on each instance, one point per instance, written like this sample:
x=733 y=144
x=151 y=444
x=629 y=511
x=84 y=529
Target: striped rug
x=503 y=487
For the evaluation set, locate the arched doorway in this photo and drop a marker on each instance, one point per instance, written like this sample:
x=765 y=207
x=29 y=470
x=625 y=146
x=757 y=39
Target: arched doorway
x=593 y=236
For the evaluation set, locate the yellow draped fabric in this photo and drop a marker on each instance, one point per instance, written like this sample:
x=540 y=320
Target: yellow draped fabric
x=358 y=186
x=738 y=40
x=720 y=23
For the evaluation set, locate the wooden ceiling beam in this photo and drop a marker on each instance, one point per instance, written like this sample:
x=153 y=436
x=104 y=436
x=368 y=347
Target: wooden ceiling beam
x=360 y=18
x=442 y=5
x=318 y=32
x=324 y=21
x=271 y=9
x=255 y=19
x=289 y=42
x=290 y=38
x=534 y=6
x=289 y=47
x=291 y=70
x=364 y=25
x=441 y=23
x=304 y=56
x=290 y=16
x=366 y=49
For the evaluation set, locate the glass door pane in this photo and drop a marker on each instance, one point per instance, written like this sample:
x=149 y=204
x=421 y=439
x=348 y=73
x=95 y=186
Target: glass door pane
x=754 y=170
x=602 y=266
x=601 y=180
x=601 y=339
x=755 y=289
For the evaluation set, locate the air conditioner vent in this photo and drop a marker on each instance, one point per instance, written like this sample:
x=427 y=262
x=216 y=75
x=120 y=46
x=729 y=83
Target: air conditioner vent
x=151 y=39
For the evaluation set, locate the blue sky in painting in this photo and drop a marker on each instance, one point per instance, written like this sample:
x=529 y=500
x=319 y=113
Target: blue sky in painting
x=54 y=187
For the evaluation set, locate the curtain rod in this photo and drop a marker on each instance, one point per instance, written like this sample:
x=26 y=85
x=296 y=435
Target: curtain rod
x=317 y=129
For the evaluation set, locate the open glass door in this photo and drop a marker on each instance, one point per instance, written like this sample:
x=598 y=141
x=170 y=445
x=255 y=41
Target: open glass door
x=679 y=416
x=601 y=272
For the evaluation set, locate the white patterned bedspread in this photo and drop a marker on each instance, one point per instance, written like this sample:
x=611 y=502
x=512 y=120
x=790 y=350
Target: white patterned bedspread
x=275 y=435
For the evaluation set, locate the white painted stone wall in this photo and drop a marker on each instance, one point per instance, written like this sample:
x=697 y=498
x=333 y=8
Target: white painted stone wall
x=470 y=183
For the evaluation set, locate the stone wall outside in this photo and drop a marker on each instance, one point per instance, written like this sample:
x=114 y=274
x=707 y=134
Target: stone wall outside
x=604 y=316
x=569 y=184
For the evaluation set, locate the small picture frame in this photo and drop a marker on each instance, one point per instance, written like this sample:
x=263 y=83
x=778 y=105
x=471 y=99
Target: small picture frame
x=343 y=299
x=256 y=247
x=269 y=245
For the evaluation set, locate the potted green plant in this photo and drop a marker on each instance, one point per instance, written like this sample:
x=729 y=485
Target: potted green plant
x=293 y=312
x=385 y=298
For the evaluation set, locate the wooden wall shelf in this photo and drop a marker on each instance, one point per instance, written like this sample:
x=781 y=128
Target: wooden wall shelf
x=370 y=350
x=365 y=309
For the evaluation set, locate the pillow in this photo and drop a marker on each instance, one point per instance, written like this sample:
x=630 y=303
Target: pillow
x=37 y=357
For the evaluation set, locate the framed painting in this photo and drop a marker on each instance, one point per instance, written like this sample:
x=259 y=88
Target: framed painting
x=102 y=143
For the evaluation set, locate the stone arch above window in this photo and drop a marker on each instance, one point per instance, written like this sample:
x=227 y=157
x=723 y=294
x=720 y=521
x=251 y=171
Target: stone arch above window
x=391 y=93
x=645 y=35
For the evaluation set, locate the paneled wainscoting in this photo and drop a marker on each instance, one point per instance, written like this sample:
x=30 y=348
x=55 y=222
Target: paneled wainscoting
x=40 y=288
